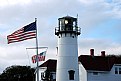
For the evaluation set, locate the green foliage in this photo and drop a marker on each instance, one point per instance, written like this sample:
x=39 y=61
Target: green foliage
x=18 y=73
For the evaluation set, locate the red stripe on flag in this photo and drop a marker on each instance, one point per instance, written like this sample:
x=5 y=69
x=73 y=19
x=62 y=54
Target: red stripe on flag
x=23 y=34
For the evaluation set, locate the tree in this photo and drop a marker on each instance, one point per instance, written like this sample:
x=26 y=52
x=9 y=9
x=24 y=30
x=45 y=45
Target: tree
x=18 y=73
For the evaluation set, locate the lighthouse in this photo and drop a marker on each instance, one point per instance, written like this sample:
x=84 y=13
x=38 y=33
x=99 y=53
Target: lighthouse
x=67 y=58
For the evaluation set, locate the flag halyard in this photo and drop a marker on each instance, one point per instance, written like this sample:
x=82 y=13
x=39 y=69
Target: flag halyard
x=27 y=32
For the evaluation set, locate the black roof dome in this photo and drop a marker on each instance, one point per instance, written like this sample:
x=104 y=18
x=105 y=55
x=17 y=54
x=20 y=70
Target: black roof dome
x=67 y=17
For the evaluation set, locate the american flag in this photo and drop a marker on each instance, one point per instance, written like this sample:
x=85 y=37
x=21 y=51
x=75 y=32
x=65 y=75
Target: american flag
x=26 y=32
x=41 y=57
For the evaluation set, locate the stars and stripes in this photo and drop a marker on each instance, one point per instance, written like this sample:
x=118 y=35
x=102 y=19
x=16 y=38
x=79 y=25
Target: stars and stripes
x=41 y=57
x=27 y=32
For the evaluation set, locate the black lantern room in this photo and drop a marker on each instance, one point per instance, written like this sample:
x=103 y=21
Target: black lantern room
x=67 y=24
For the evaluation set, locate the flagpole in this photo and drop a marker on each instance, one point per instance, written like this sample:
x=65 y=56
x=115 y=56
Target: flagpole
x=37 y=51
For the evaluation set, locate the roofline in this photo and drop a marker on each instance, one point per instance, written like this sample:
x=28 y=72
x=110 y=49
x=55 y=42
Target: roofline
x=117 y=64
x=96 y=71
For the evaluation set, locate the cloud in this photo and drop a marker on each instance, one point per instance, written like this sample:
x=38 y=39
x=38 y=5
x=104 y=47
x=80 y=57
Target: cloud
x=4 y=64
x=91 y=13
x=99 y=45
x=13 y=2
x=87 y=2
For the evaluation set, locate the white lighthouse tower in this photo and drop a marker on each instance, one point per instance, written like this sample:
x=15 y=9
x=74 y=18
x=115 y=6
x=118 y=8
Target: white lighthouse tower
x=67 y=59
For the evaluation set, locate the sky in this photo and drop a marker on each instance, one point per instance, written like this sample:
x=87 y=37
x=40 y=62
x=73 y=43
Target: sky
x=99 y=20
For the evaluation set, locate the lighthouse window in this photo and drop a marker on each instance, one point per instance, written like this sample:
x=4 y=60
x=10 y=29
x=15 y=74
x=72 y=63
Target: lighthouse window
x=95 y=73
x=74 y=24
x=71 y=74
x=43 y=75
x=62 y=26
x=60 y=23
x=66 y=21
x=116 y=70
x=119 y=70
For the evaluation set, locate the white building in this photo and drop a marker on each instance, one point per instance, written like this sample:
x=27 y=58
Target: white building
x=100 y=68
x=48 y=70
x=91 y=68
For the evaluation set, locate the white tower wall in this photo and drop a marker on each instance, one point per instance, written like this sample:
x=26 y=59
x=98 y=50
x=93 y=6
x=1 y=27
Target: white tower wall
x=67 y=57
